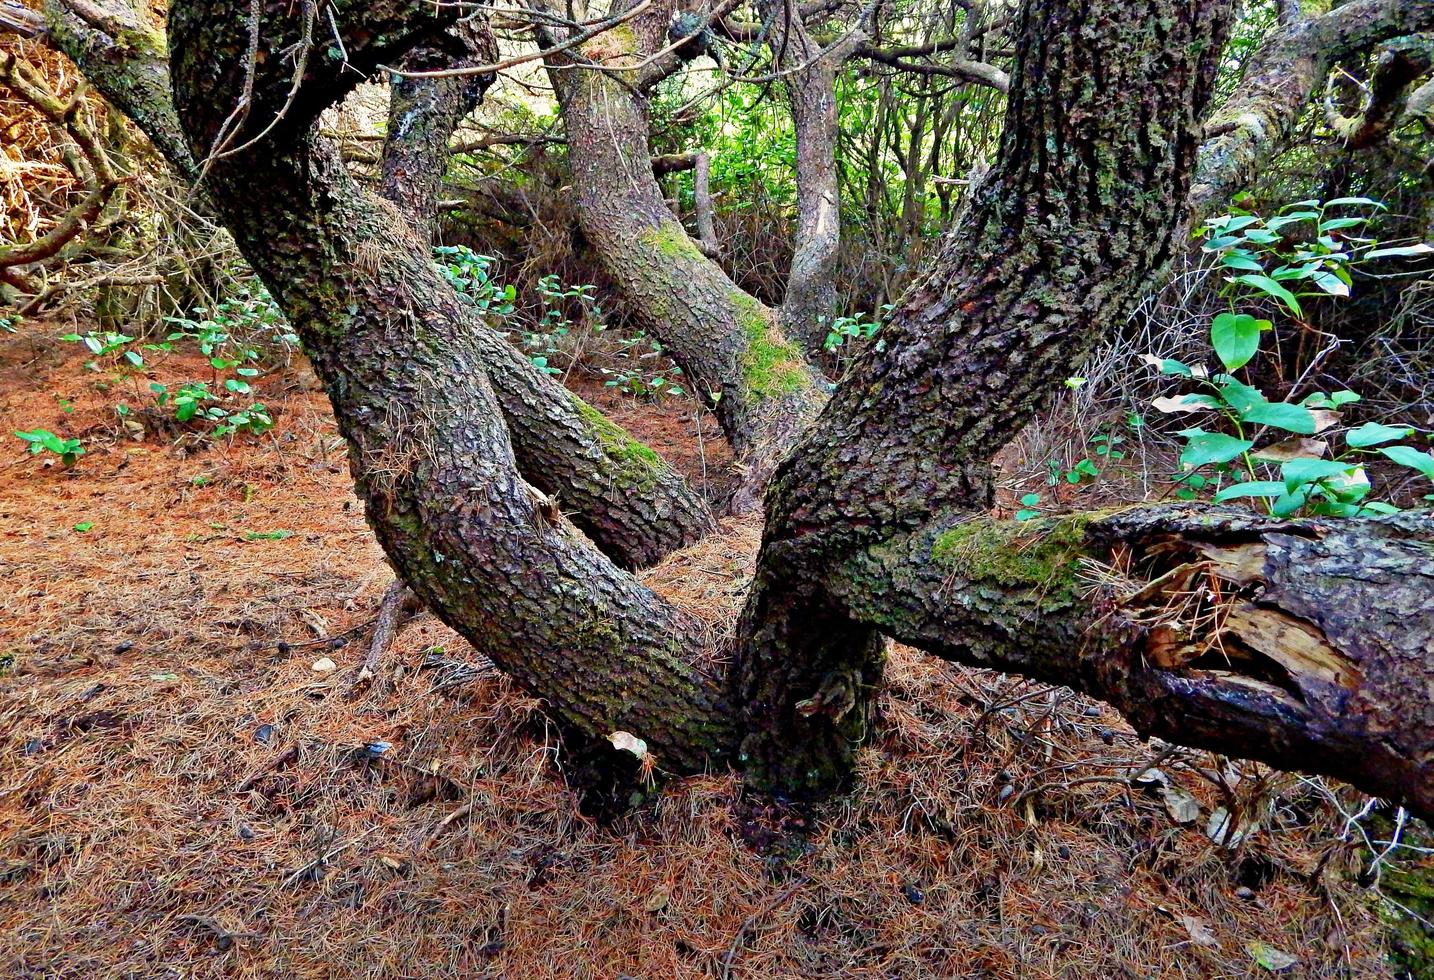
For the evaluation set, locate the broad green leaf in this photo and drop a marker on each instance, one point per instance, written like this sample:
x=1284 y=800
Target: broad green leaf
x=1408 y=251
x=1373 y=433
x=1288 y=504
x=1282 y=415
x=1269 y=287
x=1298 y=472
x=1331 y=283
x=1238 y=395
x=1412 y=458
x=1204 y=448
x=1362 y=201
x=1236 y=338
x=1239 y=259
x=1253 y=488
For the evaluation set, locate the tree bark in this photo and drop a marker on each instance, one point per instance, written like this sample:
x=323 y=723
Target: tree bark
x=424 y=112
x=619 y=492
x=809 y=79
x=877 y=522
x=1291 y=641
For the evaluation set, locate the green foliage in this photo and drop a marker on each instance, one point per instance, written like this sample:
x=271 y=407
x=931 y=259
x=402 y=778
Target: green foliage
x=470 y=276
x=1258 y=448
x=44 y=441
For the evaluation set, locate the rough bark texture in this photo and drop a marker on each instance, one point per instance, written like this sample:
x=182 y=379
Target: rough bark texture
x=429 y=451
x=128 y=62
x=1291 y=641
x=1400 y=64
x=1288 y=70
x=1081 y=212
x=876 y=523
x=729 y=345
x=618 y=491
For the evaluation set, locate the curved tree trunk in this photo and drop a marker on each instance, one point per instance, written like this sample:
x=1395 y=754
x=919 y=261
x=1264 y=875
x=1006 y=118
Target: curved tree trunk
x=1078 y=216
x=430 y=454
x=1287 y=71
x=729 y=345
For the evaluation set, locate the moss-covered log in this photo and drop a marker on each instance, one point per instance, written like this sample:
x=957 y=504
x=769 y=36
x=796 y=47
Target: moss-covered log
x=1294 y=642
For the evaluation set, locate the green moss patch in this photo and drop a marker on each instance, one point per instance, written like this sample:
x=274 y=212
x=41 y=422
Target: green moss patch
x=638 y=463
x=772 y=366
x=1043 y=555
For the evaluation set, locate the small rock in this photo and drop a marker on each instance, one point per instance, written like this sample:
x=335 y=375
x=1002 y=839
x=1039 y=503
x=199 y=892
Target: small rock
x=1246 y=894
x=913 y=894
x=125 y=647
x=325 y=666
x=264 y=734
x=1091 y=712
x=1006 y=793
x=283 y=647
x=1107 y=736
x=34 y=747
x=246 y=832
x=1063 y=851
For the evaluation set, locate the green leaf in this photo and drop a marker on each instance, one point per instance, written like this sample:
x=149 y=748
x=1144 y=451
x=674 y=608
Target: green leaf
x=1298 y=472
x=1252 y=488
x=1412 y=458
x=1373 y=433
x=1288 y=504
x=84 y=526
x=267 y=535
x=1399 y=253
x=1271 y=288
x=1362 y=201
x=1204 y=448
x=1027 y=515
x=1238 y=260
x=1238 y=395
x=1236 y=338
x=1031 y=499
x=1282 y=415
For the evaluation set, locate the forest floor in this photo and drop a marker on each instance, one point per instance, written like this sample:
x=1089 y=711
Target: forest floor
x=182 y=793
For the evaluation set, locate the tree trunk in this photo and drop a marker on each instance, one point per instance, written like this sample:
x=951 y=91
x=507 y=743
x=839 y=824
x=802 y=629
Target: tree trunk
x=729 y=345
x=430 y=454
x=1289 y=68
x=1079 y=215
x=810 y=302
x=424 y=112
x=618 y=491
x=877 y=522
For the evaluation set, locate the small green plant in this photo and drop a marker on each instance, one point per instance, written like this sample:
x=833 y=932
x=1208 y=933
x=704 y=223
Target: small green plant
x=469 y=275
x=44 y=441
x=1236 y=458
x=9 y=324
x=640 y=376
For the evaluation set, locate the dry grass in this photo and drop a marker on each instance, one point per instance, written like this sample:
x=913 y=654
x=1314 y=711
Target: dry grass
x=181 y=795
